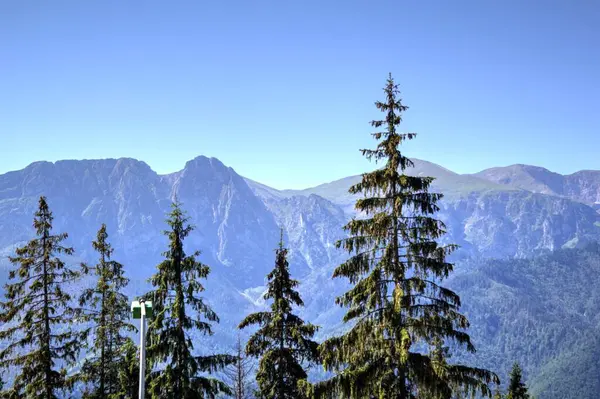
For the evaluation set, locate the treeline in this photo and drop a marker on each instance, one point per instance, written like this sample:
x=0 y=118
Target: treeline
x=401 y=318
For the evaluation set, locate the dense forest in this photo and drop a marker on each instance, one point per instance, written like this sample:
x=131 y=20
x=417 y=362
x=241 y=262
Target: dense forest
x=543 y=311
x=407 y=331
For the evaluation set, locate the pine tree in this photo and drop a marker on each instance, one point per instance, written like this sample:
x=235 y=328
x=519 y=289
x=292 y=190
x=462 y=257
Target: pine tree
x=396 y=304
x=107 y=308
x=498 y=394
x=178 y=310
x=283 y=340
x=516 y=387
x=37 y=314
x=128 y=373
x=238 y=374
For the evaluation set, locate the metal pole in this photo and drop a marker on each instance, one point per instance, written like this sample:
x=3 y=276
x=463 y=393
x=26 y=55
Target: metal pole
x=142 y=351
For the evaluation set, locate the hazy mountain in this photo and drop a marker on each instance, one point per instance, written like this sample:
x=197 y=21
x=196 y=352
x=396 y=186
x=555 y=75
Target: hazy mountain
x=583 y=186
x=451 y=184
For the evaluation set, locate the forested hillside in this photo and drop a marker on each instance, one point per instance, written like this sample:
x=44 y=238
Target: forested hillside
x=541 y=312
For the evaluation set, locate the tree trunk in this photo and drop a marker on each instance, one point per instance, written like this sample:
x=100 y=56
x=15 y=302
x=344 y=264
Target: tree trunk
x=46 y=335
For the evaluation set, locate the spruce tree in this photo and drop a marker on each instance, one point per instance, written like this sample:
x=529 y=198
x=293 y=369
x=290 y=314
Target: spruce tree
x=177 y=312
x=107 y=308
x=283 y=341
x=397 y=305
x=128 y=373
x=38 y=315
x=516 y=387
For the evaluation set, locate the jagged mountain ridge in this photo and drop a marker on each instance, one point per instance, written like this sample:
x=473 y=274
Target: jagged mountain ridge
x=132 y=200
x=237 y=219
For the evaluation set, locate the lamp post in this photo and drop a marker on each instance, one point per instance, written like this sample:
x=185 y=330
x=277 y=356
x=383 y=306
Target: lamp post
x=141 y=310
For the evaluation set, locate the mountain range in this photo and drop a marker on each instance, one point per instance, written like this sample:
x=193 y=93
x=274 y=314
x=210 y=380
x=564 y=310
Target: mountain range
x=514 y=212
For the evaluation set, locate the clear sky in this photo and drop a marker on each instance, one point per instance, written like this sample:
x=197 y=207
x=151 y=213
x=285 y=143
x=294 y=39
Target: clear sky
x=283 y=91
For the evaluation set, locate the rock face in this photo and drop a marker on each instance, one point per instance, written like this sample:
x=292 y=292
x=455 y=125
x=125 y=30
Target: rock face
x=517 y=223
x=313 y=225
x=233 y=226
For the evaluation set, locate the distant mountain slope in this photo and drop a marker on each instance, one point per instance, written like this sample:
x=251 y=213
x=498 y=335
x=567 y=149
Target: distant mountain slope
x=573 y=373
x=485 y=218
x=542 y=312
x=451 y=184
x=583 y=186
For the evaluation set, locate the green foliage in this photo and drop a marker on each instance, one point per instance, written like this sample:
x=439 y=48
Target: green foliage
x=283 y=341
x=573 y=373
x=177 y=310
x=107 y=308
x=541 y=312
x=128 y=373
x=37 y=314
x=397 y=304
x=516 y=387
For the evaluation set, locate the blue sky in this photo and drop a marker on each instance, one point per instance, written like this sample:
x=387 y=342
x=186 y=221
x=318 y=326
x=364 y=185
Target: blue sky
x=283 y=91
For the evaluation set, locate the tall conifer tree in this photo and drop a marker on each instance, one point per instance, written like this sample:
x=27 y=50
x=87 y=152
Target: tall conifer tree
x=107 y=308
x=397 y=305
x=177 y=312
x=283 y=341
x=516 y=387
x=38 y=315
